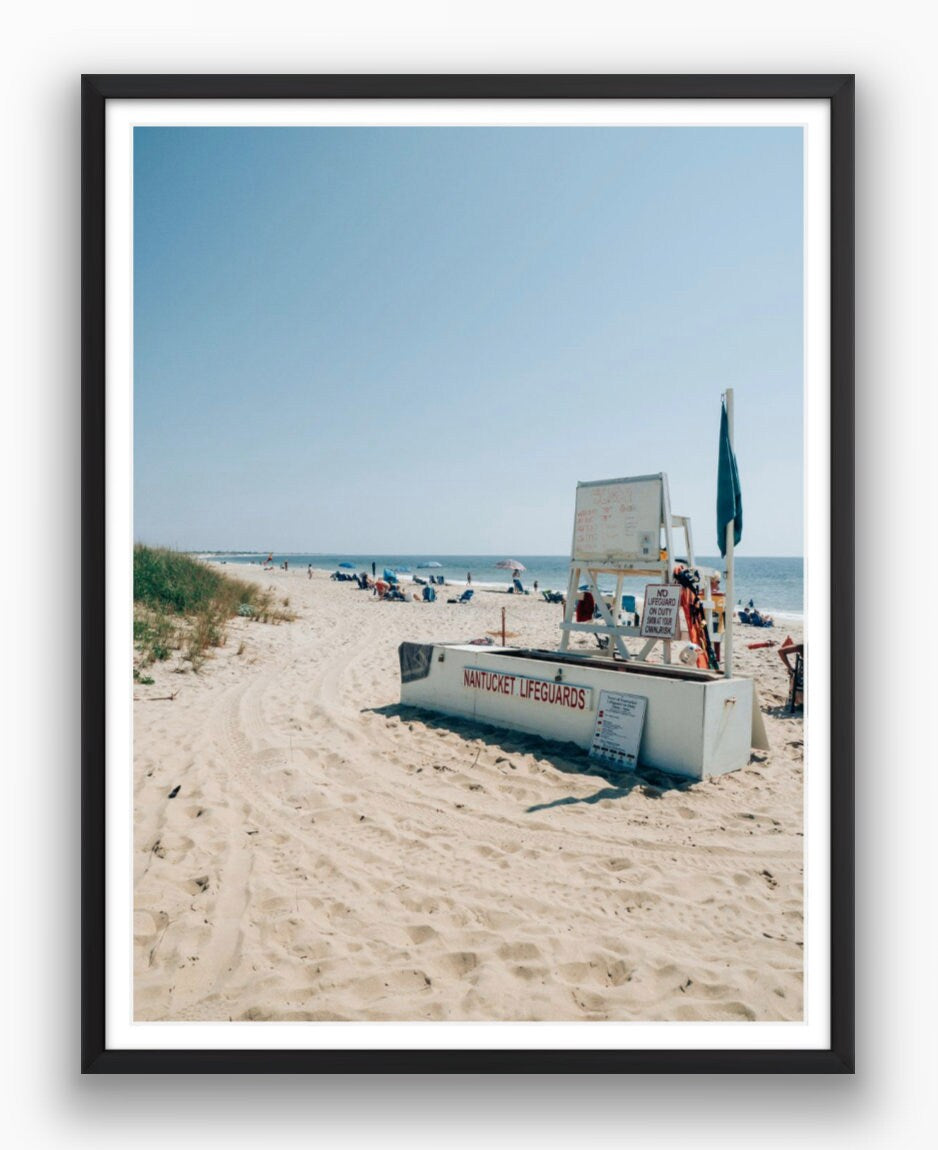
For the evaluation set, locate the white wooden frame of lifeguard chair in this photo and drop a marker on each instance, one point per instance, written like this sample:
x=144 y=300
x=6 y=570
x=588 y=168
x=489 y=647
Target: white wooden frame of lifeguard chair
x=662 y=570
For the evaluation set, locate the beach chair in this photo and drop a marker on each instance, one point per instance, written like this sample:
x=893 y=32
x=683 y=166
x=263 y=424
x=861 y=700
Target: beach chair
x=429 y=595
x=464 y=597
x=792 y=655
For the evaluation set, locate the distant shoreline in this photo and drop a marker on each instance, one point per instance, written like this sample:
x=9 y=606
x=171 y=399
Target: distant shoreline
x=775 y=584
x=780 y=614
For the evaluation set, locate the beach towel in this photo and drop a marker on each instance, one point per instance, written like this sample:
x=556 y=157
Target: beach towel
x=415 y=660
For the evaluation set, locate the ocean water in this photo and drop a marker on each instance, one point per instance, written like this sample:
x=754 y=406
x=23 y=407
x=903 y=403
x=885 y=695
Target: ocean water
x=775 y=584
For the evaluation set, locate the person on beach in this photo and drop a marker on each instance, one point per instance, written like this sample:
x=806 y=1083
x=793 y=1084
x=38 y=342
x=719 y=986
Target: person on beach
x=309 y=570
x=535 y=586
x=374 y=570
x=468 y=577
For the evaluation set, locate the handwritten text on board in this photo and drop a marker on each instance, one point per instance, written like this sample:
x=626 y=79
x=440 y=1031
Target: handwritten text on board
x=619 y=519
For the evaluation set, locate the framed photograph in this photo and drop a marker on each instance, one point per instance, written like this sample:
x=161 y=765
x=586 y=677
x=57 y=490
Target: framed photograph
x=381 y=772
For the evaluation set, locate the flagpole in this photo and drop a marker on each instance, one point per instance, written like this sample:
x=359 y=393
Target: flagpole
x=730 y=595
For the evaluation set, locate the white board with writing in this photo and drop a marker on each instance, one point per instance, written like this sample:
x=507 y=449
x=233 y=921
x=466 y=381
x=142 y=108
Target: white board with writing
x=661 y=611
x=617 y=733
x=618 y=519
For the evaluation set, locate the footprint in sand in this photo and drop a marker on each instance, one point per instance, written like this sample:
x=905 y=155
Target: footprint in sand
x=421 y=933
x=148 y=924
x=519 y=951
x=530 y=973
x=460 y=962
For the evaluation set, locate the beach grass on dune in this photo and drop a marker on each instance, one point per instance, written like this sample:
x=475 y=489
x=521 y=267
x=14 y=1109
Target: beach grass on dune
x=183 y=605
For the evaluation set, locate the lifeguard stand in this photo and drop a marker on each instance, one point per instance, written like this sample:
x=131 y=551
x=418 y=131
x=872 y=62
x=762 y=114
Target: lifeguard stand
x=623 y=528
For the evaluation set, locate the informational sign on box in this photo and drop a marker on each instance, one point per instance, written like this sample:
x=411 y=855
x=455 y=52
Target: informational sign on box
x=660 y=618
x=617 y=734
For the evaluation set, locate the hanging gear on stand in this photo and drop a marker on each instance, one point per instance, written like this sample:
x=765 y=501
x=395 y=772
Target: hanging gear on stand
x=696 y=619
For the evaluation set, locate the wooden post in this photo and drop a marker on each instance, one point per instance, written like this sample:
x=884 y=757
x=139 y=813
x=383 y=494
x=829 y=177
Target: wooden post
x=569 y=605
x=729 y=588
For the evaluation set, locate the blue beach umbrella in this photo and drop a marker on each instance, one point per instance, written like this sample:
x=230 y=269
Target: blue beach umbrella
x=350 y=566
x=433 y=563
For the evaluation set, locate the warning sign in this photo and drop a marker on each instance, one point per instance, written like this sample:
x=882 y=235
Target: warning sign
x=660 y=616
x=617 y=734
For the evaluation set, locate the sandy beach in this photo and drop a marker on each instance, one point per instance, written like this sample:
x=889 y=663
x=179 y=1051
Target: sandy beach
x=305 y=848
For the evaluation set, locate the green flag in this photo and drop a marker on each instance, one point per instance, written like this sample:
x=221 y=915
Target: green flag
x=729 y=493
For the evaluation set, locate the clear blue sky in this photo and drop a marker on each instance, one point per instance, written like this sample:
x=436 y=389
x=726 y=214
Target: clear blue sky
x=419 y=340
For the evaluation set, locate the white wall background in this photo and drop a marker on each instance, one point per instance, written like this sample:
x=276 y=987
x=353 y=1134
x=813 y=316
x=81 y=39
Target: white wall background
x=45 y=48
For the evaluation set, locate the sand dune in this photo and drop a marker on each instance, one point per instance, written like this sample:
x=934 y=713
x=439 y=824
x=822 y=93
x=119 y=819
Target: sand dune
x=331 y=855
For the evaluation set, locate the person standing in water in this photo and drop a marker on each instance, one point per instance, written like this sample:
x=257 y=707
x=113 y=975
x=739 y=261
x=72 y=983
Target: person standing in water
x=468 y=577
x=374 y=570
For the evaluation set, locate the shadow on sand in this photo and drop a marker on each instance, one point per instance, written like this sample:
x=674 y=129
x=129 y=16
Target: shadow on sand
x=782 y=712
x=567 y=758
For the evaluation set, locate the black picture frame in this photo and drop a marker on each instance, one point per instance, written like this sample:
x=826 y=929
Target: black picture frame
x=838 y=90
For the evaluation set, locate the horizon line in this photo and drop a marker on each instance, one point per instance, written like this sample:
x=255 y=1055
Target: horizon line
x=413 y=553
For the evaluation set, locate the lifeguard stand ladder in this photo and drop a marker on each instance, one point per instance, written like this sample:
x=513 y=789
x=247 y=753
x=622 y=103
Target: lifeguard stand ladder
x=622 y=527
